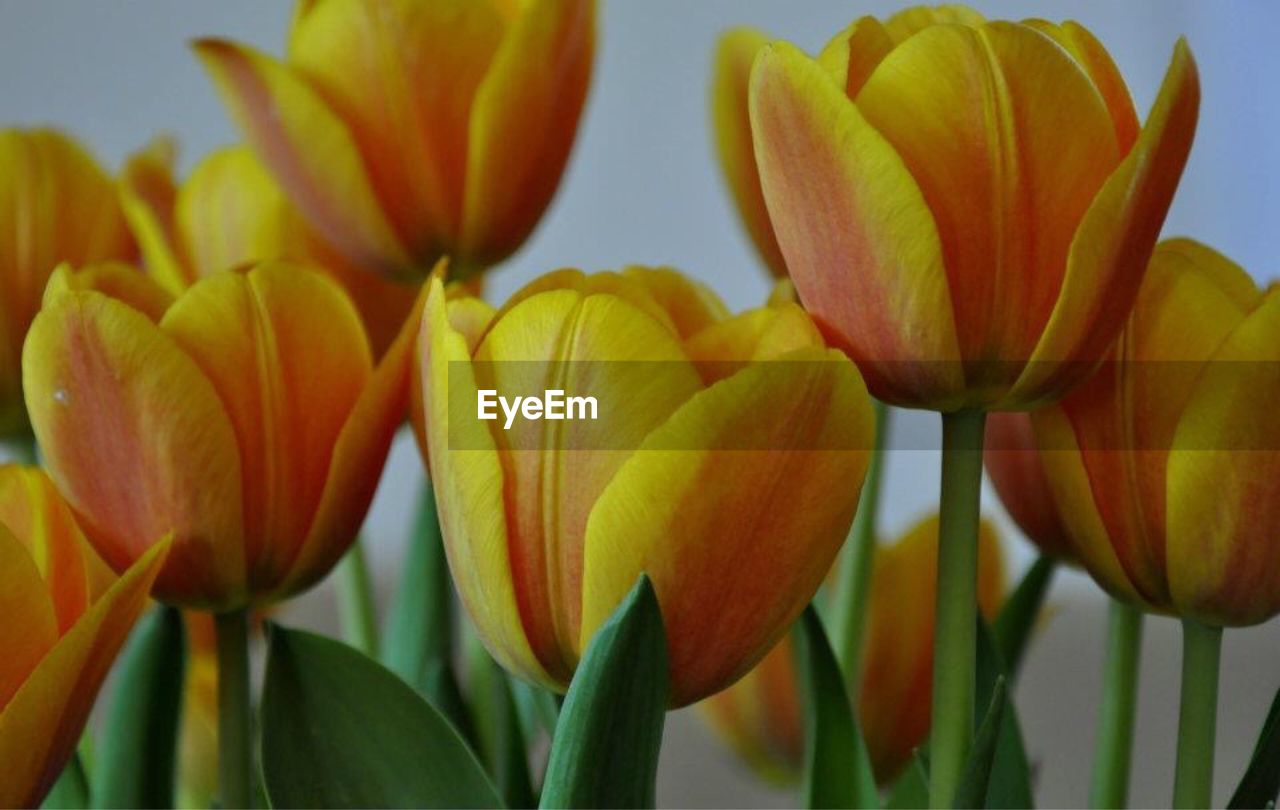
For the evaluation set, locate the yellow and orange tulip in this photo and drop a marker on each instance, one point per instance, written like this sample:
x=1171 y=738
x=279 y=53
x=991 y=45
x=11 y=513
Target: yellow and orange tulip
x=407 y=131
x=65 y=621
x=549 y=524
x=246 y=418
x=759 y=716
x=230 y=213
x=56 y=205
x=966 y=207
x=1165 y=464
x=1016 y=471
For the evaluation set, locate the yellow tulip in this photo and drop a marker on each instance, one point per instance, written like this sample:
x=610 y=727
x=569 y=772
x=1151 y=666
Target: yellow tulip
x=56 y=204
x=759 y=716
x=62 y=629
x=730 y=485
x=1164 y=464
x=407 y=130
x=229 y=213
x=246 y=418
x=966 y=207
x=1017 y=473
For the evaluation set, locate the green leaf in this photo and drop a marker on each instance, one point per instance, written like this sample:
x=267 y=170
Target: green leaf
x=71 y=791
x=502 y=742
x=1010 y=783
x=340 y=730
x=138 y=747
x=538 y=708
x=973 y=788
x=1019 y=613
x=912 y=788
x=605 y=749
x=837 y=766
x=1261 y=781
x=418 y=644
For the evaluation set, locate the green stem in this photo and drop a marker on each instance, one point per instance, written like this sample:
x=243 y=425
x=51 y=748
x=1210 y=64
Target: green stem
x=853 y=581
x=359 y=616
x=956 y=622
x=1201 y=651
x=235 y=754
x=1114 y=750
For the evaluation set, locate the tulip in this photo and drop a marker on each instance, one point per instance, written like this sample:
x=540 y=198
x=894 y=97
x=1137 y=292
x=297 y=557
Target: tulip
x=230 y=213
x=1017 y=473
x=56 y=204
x=731 y=483
x=246 y=418
x=63 y=627
x=411 y=130
x=760 y=714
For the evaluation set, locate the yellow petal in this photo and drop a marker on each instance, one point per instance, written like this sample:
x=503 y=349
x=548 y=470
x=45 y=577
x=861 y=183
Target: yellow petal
x=123 y=282
x=468 y=316
x=40 y=726
x=758 y=334
x=138 y=442
x=469 y=495
x=690 y=305
x=1112 y=244
x=30 y=628
x=859 y=239
x=147 y=195
x=310 y=151
x=910 y=21
x=729 y=115
x=853 y=54
x=736 y=541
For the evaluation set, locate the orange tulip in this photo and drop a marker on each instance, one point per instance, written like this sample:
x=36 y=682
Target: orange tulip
x=1017 y=473
x=63 y=627
x=230 y=213
x=730 y=485
x=760 y=715
x=406 y=131
x=966 y=207
x=246 y=418
x=56 y=204
x=1164 y=465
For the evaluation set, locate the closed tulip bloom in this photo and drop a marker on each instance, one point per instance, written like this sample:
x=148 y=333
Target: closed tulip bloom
x=56 y=204
x=406 y=130
x=730 y=486
x=966 y=207
x=760 y=714
x=246 y=418
x=230 y=213
x=1164 y=464
x=64 y=624
x=1017 y=472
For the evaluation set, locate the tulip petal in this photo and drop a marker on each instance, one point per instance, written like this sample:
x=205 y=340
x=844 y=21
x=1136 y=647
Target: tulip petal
x=1016 y=471
x=41 y=725
x=735 y=541
x=147 y=195
x=286 y=353
x=31 y=626
x=1114 y=241
x=468 y=316
x=853 y=54
x=533 y=96
x=858 y=237
x=732 y=122
x=138 y=442
x=690 y=305
x=123 y=282
x=310 y=151
x=469 y=495
x=910 y=21
x=766 y=333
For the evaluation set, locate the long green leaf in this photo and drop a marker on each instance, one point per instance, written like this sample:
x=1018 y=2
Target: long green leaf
x=71 y=791
x=138 y=747
x=978 y=773
x=497 y=726
x=605 y=750
x=912 y=788
x=1261 y=781
x=1010 y=783
x=340 y=730
x=1020 y=612
x=837 y=766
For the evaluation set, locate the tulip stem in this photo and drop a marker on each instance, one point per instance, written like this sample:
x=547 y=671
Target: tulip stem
x=956 y=611
x=848 y=616
x=1201 y=651
x=359 y=616
x=235 y=754
x=1114 y=750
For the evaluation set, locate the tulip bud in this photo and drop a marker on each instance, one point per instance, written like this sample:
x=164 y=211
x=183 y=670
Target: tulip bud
x=247 y=419
x=409 y=131
x=65 y=621
x=729 y=478
x=965 y=207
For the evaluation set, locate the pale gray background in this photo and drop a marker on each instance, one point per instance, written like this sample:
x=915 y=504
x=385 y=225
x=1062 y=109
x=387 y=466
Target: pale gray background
x=643 y=187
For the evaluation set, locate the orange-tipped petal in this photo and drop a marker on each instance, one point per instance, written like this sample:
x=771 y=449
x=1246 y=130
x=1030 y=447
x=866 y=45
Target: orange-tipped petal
x=735 y=541
x=40 y=726
x=147 y=195
x=1017 y=472
x=758 y=334
x=123 y=282
x=30 y=628
x=533 y=96
x=732 y=121
x=853 y=54
x=858 y=237
x=137 y=440
x=310 y=151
